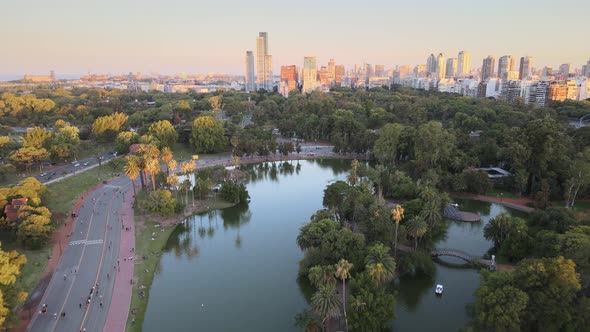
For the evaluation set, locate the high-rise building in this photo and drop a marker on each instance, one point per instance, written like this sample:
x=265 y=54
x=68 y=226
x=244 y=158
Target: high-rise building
x=420 y=71
x=379 y=70
x=332 y=70
x=440 y=66
x=586 y=69
x=525 y=69
x=52 y=75
x=463 y=64
x=369 y=72
x=487 y=68
x=324 y=77
x=565 y=68
x=431 y=65
x=249 y=83
x=547 y=71
x=310 y=73
x=558 y=91
x=451 y=67
x=263 y=62
x=505 y=65
x=289 y=77
x=338 y=74
x=402 y=71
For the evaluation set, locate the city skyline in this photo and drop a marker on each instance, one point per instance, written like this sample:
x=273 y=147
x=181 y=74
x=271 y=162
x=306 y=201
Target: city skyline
x=182 y=36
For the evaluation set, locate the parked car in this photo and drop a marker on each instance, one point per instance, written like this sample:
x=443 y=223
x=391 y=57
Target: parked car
x=42 y=174
x=77 y=165
x=85 y=164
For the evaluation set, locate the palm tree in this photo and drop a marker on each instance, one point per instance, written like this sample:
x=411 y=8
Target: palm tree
x=172 y=165
x=417 y=227
x=497 y=229
x=321 y=276
x=380 y=264
x=186 y=186
x=352 y=177
x=325 y=303
x=398 y=214
x=172 y=181
x=132 y=170
x=343 y=268
x=166 y=156
x=153 y=167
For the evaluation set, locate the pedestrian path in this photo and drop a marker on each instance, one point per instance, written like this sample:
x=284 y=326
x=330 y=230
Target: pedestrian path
x=119 y=307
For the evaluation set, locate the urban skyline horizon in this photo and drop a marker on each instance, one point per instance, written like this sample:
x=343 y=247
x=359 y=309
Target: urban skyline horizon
x=475 y=64
x=201 y=37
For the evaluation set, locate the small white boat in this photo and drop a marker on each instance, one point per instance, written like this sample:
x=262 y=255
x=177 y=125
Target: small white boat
x=455 y=204
x=439 y=289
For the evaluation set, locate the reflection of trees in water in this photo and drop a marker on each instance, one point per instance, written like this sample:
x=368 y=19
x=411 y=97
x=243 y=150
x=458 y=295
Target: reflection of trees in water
x=306 y=288
x=286 y=168
x=411 y=289
x=235 y=216
x=182 y=240
x=337 y=166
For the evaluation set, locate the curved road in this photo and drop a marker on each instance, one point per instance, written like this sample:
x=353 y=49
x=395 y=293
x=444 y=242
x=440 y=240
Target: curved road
x=90 y=258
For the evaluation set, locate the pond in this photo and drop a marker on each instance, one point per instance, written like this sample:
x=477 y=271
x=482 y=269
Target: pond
x=236 y=269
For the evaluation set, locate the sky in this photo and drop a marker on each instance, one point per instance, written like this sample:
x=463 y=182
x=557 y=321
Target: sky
x=202 y=36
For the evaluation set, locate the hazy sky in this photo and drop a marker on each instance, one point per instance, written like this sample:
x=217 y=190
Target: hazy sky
x=200 y=36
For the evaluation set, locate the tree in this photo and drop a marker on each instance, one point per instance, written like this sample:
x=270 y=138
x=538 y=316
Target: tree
x=322 y=275
x=325 y=303
x=132 y=170
x=352 y=176
x=380 y=264
x=386 y=146
x=499 y=308
x=552 y=285
x=207 y=135
x=106 y=128
x=161 y=202
x=312 y=234
x=343 y=268
x=33 y=231
x=124 y=140
x=215 y=103
x=370 y=307
x=36 y=138
x=26 y=157
x=164 y=132
x=234 y=192
x=499 y=228
x=579 y=177
x=417 y=228
x=166 y=155
x=477 y=182
x=10 y=268
x=397 y=214
x=433 y=145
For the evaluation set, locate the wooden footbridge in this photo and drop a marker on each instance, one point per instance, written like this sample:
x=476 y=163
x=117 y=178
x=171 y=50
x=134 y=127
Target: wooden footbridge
x=454 y=253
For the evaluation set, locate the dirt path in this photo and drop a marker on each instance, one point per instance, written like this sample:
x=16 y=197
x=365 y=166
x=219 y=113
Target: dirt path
x=119 y=307
x=59 y=240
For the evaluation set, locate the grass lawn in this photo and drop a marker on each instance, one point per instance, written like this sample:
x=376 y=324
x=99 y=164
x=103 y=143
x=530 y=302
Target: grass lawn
x=504 y=194
x=61 y=195
x=182 y=151
x=145 y=225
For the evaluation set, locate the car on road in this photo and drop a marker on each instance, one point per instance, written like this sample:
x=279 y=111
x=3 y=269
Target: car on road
x=311 y=154
x=42 y=174
x=85 y=164
x=77 y=165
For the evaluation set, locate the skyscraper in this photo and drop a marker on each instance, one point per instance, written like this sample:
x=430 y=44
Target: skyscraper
x=338 y=74
x=310 y=73
x=332 y=69
x=451 y=67
x=505 y=65
x=463 y=64
x=263 y=62
x=441 y=66
x=379 y=70
x=249 y=83
x=526 y=64
x=565 y=68
x=487 y=68
x=431 y=65
x=289 y=77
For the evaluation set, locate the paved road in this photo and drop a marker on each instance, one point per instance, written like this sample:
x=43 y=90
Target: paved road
x=89 y=258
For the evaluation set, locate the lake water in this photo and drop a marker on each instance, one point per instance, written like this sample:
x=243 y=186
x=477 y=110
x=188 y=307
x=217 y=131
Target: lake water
x=236 y=269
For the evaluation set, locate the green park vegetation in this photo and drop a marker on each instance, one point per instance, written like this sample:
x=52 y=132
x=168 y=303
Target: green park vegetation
x=425 y=144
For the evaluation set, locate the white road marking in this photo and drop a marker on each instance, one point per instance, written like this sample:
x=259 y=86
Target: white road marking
x=86 y=242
